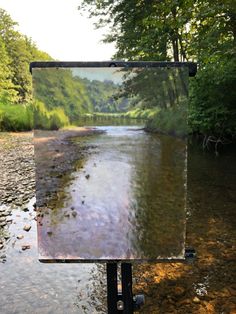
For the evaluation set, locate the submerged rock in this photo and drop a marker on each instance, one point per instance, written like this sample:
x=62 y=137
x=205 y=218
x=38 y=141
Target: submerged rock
x=27 y=227
x=74 y=214
x=25 y=247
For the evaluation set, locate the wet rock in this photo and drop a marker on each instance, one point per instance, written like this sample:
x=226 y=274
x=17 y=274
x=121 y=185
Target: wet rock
x=25 y=247
x=74 y=214
x=3 y=223
x=6 y=236
x=5 y=213
x=27 y=227
x=196 y=300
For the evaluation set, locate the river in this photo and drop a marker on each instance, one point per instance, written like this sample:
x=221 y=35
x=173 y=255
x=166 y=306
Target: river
x=28 y=286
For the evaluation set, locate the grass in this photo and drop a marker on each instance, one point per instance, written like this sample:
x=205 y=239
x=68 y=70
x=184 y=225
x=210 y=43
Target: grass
x=15 y=117
x=20 y=118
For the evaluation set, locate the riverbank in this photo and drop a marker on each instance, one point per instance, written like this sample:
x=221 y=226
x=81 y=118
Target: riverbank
x=57 y=155
x=205 y=286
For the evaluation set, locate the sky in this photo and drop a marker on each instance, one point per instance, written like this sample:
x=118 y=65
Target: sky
x=57 y=27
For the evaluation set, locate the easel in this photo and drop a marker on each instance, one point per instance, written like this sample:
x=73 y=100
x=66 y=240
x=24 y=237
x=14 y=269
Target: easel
x=125 y=302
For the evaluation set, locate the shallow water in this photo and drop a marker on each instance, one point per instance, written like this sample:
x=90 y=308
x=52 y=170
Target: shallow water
x=27 y=286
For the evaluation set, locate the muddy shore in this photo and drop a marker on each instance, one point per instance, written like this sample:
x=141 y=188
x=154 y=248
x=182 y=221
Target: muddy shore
x=206 y=285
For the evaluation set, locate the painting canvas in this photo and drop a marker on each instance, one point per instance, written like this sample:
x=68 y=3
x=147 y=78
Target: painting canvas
x=110 y=155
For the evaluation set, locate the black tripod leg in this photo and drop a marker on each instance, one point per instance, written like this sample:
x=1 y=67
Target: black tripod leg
x=126 y=277
x=112 y=288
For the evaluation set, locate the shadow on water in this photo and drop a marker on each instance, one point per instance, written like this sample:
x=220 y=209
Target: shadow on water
x=208 y=284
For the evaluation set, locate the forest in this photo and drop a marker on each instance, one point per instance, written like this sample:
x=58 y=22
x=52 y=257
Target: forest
x=200 y=31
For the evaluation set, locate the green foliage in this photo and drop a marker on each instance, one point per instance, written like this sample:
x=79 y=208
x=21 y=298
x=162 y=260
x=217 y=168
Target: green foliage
x=213 y=94
x=139 y=113
x=15 y=117
x=7 y=91
x=170 y=121
x=16 y=52
x=103 y=96
x=144 y=30
x=58 y=119
x=156 y=87
x=46 y=119
x=202 y=31
x=57 y=88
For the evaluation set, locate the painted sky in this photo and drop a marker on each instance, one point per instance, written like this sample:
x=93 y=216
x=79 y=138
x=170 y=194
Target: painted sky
x=100 y=74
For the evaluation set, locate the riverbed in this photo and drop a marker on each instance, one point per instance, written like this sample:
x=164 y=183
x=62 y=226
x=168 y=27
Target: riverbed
x=206 y=286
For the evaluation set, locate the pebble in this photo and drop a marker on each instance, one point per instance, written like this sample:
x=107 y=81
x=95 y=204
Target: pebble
x=5 y=213
x=27 y=227
x=196 y=300
x=25 y=247
x=74 y=214
x=6 y=236
x=20 y=236
x=87 y=176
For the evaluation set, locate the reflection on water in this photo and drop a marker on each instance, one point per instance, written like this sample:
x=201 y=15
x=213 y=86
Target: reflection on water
x=28 y=286
x=126 y=202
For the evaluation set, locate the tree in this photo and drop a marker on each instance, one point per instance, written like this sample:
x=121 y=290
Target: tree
x=19 y=51
x=7 y=92
x=202 y=31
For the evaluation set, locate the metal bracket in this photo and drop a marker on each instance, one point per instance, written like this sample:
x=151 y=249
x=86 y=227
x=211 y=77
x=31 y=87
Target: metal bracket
x=124 y=302
x=190 y=254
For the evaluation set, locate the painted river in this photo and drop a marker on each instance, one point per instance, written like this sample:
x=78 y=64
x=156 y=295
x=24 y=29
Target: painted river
x=126 y=201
